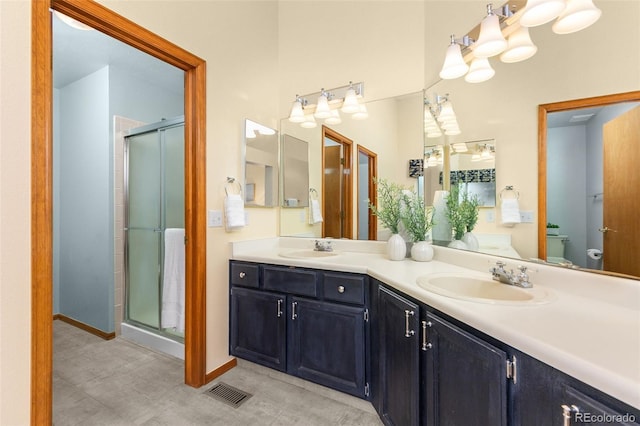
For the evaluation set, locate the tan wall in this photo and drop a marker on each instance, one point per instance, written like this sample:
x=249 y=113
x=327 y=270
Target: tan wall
x=599 y=60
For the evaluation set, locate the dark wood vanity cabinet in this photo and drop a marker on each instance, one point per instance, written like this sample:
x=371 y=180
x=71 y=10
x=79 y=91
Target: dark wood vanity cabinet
x=397 y=383
x=309 y=323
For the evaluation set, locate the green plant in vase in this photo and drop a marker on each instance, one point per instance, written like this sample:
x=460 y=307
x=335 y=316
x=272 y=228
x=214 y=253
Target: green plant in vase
x=469 y=211
x=455 y=214
x=388 y=211
x=417 y=221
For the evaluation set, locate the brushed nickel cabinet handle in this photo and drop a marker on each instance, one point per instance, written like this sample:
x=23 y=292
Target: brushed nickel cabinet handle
x=407 y=332
x=425 y=341
x=293 y=310
x=340 y=289
x=280 y=307
x=242 y=274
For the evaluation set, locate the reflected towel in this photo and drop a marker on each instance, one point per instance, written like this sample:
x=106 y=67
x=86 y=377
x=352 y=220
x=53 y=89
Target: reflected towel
x=315 y=214
x=510 y=211
x=234 y=211
x=173 y=280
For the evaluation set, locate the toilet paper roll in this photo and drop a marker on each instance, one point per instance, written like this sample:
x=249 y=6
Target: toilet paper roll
x=595 y=254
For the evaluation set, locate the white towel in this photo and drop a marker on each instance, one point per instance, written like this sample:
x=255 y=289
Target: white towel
x=173 y=280
x=510 y=211
x=315 y=214
x=234 y=211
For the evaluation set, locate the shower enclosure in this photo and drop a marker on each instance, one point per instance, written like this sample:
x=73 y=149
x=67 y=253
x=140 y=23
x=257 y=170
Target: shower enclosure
x=154 y=202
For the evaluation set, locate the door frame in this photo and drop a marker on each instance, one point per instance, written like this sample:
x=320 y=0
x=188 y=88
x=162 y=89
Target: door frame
x=120 y=28
x=543 y=110
x=372 y=159
x=347 y=181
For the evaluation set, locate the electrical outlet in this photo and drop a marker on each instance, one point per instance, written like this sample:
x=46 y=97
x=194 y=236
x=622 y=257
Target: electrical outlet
x=214 y=219
x=526 y=216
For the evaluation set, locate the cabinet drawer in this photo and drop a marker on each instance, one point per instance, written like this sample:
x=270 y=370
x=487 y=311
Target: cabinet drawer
x=290 y=280
x=344 y=288
x=244 y=274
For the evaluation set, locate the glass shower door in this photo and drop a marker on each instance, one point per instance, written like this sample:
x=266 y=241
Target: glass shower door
x=155 y=202
x=144 y=232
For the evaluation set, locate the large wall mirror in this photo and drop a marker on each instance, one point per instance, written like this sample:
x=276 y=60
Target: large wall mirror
x=565 y=70
x=260 y=165
x=392 y=134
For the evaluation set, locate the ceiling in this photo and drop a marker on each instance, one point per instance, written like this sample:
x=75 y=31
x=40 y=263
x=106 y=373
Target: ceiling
x=78 y=53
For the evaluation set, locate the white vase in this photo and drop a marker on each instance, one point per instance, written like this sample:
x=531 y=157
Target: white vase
x=396 y=247
x=422 y=251
x=457 y=244
x=471 y=241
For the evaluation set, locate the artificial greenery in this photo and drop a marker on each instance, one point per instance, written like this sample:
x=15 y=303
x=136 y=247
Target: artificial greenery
x=389 y=196
x=416 y=218
x=462 y=211
x=552 y=225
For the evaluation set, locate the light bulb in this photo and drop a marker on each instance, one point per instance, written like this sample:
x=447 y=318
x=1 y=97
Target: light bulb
x=539 y=12
x=454 y=65
x=479 y=71
x=491 y=41
x=350 y=104
x=520 y=46
x=322 y=107
x=578 y=15
x=297 y=114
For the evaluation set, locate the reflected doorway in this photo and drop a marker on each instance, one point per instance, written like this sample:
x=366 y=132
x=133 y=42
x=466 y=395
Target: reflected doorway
x=367 y=174
x=337 y=193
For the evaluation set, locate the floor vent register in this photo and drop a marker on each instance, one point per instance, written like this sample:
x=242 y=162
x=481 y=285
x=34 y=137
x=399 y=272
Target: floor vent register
x=228 y=394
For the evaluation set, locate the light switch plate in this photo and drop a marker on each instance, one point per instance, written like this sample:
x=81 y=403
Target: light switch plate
x=490 y=216
x=214 y=219
x=526 y=216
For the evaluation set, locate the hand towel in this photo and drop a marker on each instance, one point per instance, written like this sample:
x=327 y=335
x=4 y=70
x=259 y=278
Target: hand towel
x=234 y=211
x=173 y=280
x=510 y=211
x=315 y=214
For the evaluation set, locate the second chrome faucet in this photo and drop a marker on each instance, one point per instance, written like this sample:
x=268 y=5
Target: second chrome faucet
x=520 y=279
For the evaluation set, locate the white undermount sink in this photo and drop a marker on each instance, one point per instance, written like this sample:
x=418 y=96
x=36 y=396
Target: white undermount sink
x=308 y=254
x=482 y=290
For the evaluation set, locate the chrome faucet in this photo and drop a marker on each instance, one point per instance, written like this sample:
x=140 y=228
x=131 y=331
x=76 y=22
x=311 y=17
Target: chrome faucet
x=323 y=246
x=520 y=279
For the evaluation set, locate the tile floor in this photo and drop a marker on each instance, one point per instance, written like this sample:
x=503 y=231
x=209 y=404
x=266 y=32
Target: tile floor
x=116 y=382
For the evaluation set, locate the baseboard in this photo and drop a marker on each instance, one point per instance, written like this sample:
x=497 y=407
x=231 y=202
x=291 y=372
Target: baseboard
x=220 y=370
x=85 y=327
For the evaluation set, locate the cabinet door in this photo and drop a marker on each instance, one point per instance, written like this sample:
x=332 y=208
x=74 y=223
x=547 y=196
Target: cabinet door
x=328 y=344
x=466 y=382
x=578 y=408
x=399 y=365
x=258 y=327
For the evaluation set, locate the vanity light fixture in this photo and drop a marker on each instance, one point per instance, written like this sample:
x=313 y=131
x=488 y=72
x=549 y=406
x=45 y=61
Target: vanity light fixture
x=348 y=99
x=506 y=21
x=440 y=118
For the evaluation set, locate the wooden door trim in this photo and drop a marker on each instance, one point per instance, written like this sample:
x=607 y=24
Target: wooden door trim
x=373 y=193
x=116 y=26
x=347 y=144
x=543 y=110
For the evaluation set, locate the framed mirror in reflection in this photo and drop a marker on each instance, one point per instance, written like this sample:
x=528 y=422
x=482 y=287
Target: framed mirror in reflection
x=390 y=136
x=473 y=169
x=295 y=172
x=260 y=165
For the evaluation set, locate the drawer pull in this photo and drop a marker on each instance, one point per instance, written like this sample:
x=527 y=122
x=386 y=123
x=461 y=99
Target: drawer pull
x=567 y=412
x=293 y=310
x=242 y=275
x=280 y=307
x=407 y=332
x=425 y=344
x=340 y=289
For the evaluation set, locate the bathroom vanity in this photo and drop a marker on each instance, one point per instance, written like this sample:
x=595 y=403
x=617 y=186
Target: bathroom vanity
x=359 y=323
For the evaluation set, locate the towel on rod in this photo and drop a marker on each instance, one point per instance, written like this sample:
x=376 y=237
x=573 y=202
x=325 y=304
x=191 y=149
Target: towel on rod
x=173 y=281
x=315 y=214
x=234 y=211
x=510 y=211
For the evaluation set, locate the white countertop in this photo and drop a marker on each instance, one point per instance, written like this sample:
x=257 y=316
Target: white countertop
x=590 y=329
